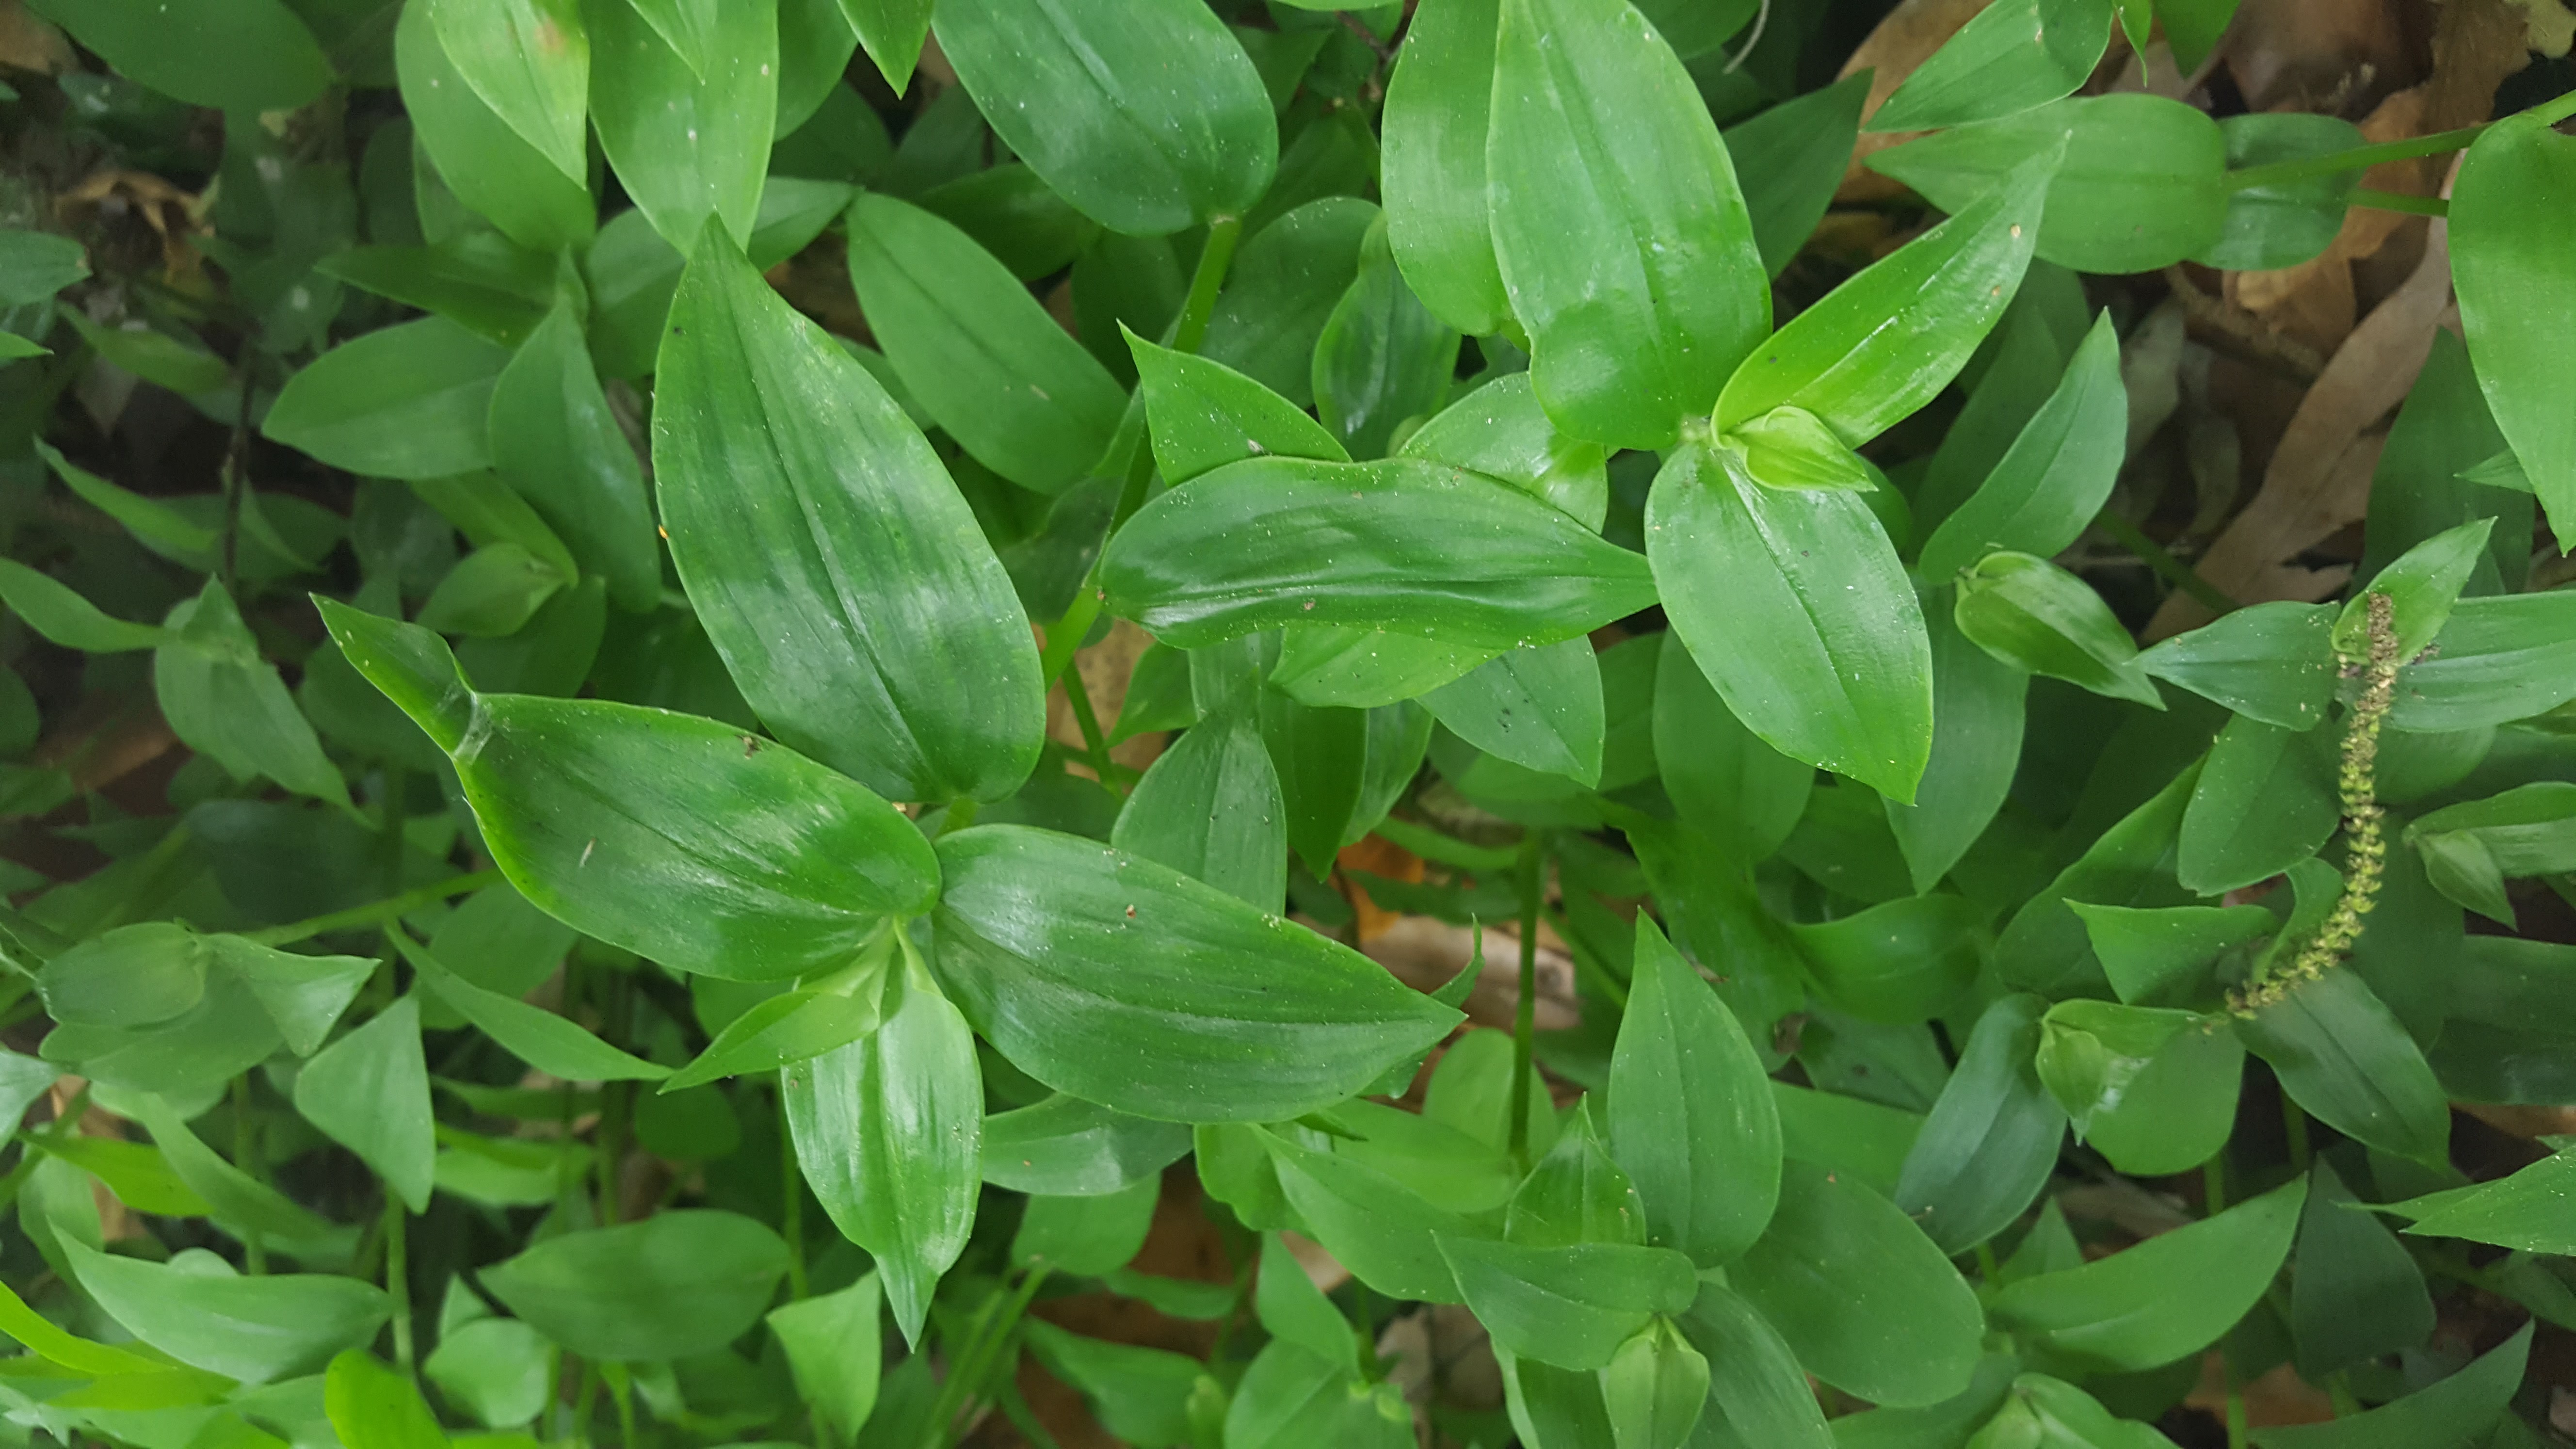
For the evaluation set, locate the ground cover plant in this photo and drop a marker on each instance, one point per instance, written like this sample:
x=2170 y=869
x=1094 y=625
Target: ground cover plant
x=1774 y=723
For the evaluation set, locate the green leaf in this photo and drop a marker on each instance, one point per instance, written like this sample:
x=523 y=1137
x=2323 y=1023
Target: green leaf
x=857 y=602
x=2342 y=1055
x=1690 y=1120
x=984 y=358
x=1072 y=1148
x=1884 y=343
x=2012 y=57
x=1655 y=1388
x=2270 y=662
x=794 y=1025
x=1418 y=548
x=34 y=265
x=1285 y=281
x=1211 y=809
x=490 y=167
x=1384 y=1232
x=1085 y=1236
x=2141 y=182
x=686 y=144
x=235 y=55
x=252 y=1329
x=1499 y=430
x=2448 y=1415
x=2270 y=227
x=1865 y=1300
x=2468 y=849
x=2265 y=801
x=1144 y=1013
x=1205 y=415
x=407 y=401
x=550 y=1043
x=1622 y=238
x=2045 y=948
x=1898 y=962
x=1757 y=1393
x=135 y=1173
x=888 y=1132
x=181 y=364
x=2033 y=615
x=225 y=701
x=304 y=995
x=495 y=1369
x=53 y=609
x=529 y=60
x=1292 y=1309
x=2422 y=586
x=1141 y=1395
x=1716 y=915
x=1540 y=708
x=131 y=976
x=1991 y=1141
x=1977 y=708
x=371 y=1406
x=2499 y=659
x=802 y=868
x=1432 y=170
x=369 y=1092
x=2169 y=1296
x=832 y=1348
x=1382 y=358
x=1795 y=606
x=2357 y=1294
x=237 y=1199
x=1552 y=1406
x=556 y=443
x=1570 y=1306
x=1145 y=114
x=1864 y=1139
x=2091 y=1051
x=491 y=593
x=604 y=1293
x=1320 y=756
x=2054 y=478
x=481 y=280
x=1789 y=159
x=1720 y=774
x=2057 y=1415
x=2514 y=270
x=1576 y=1194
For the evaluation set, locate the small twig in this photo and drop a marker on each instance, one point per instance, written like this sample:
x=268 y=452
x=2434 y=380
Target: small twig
x=2250 y=338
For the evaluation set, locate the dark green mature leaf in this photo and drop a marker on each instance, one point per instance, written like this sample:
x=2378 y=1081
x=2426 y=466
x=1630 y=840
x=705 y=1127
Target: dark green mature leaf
x=2033 y=615
x=1080 y=963
x=250 y=1328
x=1211 y=808
x=2357 y=1294
x=407 y=401
x=1721 y=775
x=490 y=167
x=2141 y=182
x=1622 y=237
x=2269 y=227
x=889 y=1133
x=529 y=60
x=1977 y=709
x=2052 y=481
x=1205 y=415
x=222 y=699
x=1690 y=1121
x=236 y=55
x=1145 y=114
x=2526 y=1210
x=834 y=565
x=1869 y=1305
x=717 y=852
x=2499 y=659
x=556 y=443
x=1540 y=707
x=2045 y=948
x=545 y=1041
x=605 y=1292
x=1285 y=281
x=833 y=1349
x=1898 y=962
x=55 y=610
x=2014 y=56
x=1795 y=606
x=1884 y=343
x=1432 y=170
x=1789 y=159
x=1398 y=543
x=686 y=144
x=2172 y=1295
x=1382 y=358
x=2515 y=270
x=1757 y=1393
x=1991 y=1141
x=369 y=1092
x=2449 y=1415
x=1321 y=759
x=2265 y=801
x=2342 y=1055
x=1500 y=430
x=2271 y=662
x=2178 y=1111
x=1384 y=1232
x=892 y=31
x=982 y=356
x=2422 y=586
x=1073 y=1148
x=1570 y=1306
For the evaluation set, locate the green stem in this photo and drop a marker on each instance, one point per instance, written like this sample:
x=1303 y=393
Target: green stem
x=1531 y=868
x=2359 y=158
x=374 y=913
x=1095 y=745
x=1431 y=845
x=246 y=1157
x=2555 y=111
x=992 y=1329
x=1215 y=258
x=961 y=813
x=2213 y=1184
x=791 y=1192
x=2399 y=201
x=2127 y=535
x=621 y=1394
x=586 y=1402
x=398 y=1277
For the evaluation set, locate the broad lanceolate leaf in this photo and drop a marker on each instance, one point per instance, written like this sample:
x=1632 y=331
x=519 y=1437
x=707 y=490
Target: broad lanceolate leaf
x=1795 y=606
x=1898 y=962
x=252 y=1329
x=1382 y=358
x=556 y=443
x=1977 y=709
x=1407 y=545
x=552 y=1044
x=2052 y=481
x=1014 y=389
x=2013 y=56
x=687 y=144
x=892 y=32
x=1991 y=1141
x=2033 y=615
x=369 y=1091
x=2342 y=1055
x=1145 y=114
x=2499 y=659
x=1569 y=1306
x=684 y=839
x=2172 y=1295
x=243 y=55
x=2358 y=1293
x=1205 y=415
x=1756 y=1390
x=490 y=167
x=224 y=700
x=1882 y=344
x=605 y=1293
x=408 y=401
x=2422 y=586
x=889 y=1132
x=53 y=609
x=1500 y=430
x=1690 y=1119
x=2447 y=1415
x=1868 y=1303
x=2265 y=801
x=833 y=563
x=529 y=60
x=1129 y=984
x=1722 y=777
x=2271 y=662
x=1211 y=809
x=1432 y=168
x=2515 y=270
x=1541 y=708
x=1621 y=234
x=1067 y=1147
x=1383 y=1231
x=834 y=1351
x=1788 y=160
